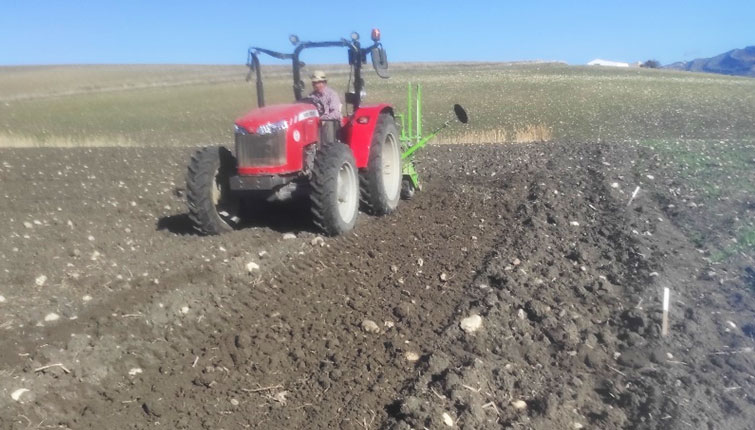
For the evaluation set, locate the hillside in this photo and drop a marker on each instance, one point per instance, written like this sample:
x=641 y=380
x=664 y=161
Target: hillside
x=143 y=105
x=739 y=62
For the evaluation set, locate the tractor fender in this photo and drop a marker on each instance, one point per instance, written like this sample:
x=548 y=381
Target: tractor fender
x=358 y=131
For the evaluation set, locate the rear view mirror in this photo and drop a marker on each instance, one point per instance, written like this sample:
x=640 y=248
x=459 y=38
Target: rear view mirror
x=380 y=61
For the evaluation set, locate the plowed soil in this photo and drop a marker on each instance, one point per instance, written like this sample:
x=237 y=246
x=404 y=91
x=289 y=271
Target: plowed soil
x=114 y=314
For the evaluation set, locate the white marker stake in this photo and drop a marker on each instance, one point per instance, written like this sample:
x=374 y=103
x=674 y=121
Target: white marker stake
x=664 y=327
x=634 y=194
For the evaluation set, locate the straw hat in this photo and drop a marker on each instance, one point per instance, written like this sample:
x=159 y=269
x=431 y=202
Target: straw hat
x=318 y=76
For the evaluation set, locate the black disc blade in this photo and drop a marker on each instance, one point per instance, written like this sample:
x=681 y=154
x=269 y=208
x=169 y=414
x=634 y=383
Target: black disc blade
x=461 y=113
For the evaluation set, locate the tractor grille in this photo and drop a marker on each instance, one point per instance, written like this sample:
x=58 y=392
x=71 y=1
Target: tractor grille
x=255 y=150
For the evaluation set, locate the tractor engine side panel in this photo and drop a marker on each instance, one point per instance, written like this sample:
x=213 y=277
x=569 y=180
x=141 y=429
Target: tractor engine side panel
x=357 y=133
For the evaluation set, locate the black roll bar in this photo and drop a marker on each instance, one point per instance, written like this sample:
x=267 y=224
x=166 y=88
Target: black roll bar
x=357 y=55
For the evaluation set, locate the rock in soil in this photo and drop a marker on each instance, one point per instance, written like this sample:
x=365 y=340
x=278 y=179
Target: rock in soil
x=519 y=404
x=471 y=323
x=370 y=326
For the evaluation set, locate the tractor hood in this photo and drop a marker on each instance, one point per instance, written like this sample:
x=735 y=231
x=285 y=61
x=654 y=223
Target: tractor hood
x=270 y=119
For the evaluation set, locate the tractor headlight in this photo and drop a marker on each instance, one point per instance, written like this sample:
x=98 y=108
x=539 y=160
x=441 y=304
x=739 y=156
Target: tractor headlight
x=239 y=130
x=272 y=127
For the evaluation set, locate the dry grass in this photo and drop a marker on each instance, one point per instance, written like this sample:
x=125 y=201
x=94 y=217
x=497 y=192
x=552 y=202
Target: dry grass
x=16 y=141
x=533 y=133
x=530 y=133
x=475 y=136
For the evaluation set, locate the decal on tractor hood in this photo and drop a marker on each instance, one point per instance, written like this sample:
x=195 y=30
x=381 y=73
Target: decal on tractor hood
x=274 y=119
x=307 y=114
x=274 y=127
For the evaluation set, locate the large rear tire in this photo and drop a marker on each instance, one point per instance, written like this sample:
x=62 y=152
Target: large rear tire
x=381 y=181
x=213 y=208
x=335 y=189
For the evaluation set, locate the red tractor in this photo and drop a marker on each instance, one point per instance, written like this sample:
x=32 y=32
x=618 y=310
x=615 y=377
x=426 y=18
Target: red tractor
x=286 y=150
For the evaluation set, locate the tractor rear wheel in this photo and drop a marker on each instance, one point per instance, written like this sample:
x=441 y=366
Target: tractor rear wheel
x=213 y=208
x=381 y=181
x=335 y=189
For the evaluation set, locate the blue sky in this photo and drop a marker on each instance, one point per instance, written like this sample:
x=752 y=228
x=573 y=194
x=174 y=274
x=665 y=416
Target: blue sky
x=219 y=32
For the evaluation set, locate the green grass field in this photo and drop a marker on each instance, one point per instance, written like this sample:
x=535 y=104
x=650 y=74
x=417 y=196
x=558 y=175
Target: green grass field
x=196 y=105
x=717 y=178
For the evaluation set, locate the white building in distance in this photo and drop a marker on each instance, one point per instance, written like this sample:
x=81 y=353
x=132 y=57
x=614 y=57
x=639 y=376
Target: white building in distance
x=608 y=63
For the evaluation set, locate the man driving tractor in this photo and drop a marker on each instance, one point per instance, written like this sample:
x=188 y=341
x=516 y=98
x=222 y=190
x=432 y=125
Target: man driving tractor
x=329 y=99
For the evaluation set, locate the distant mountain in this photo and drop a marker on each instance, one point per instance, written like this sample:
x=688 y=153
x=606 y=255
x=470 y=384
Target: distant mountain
x=739 y=62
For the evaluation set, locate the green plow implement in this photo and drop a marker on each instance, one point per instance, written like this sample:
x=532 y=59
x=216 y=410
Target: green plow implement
x=412 y=139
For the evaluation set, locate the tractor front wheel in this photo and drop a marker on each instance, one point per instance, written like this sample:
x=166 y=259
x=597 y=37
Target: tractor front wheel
x=213 y=208
x=381 y=181
x=335 y=189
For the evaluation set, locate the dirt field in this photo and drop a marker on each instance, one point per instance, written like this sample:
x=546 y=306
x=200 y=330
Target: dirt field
x=114 y=315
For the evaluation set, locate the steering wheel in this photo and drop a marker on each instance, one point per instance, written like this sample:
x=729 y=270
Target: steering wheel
x=317 y=103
